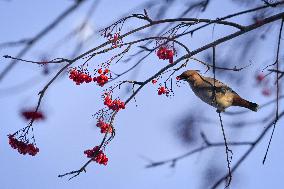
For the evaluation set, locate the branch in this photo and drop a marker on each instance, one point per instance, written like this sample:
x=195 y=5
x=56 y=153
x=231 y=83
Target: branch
x=245 y=155
x=105 y=141
x=277 y=89
x=210 y=45
x=208 y=145
x=40 y=35
x=15 y=43
x=227 y=150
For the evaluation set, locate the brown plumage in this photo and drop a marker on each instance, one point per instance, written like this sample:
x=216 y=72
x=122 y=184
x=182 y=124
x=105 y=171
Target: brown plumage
x=221 y=98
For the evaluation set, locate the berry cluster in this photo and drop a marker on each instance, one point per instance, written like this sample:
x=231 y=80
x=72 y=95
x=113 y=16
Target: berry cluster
x=100 y=158
x=162 y=90
x=264 y=83
x=114 y=105
x=166 y=54
x=23 y=148
x=102 y=78
x=79 y=77
x=29 y=114
x=105 y=127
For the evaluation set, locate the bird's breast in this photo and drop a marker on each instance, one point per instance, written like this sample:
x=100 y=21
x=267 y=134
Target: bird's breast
x=221 y=100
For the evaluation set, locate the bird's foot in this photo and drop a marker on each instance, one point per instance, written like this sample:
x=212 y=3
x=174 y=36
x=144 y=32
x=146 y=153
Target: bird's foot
x=220 y=110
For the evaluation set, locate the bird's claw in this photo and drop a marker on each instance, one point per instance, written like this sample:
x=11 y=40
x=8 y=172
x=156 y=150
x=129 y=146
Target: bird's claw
x=219 y=111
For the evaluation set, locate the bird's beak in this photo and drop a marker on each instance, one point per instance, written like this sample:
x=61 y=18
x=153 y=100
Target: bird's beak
x=182 y=77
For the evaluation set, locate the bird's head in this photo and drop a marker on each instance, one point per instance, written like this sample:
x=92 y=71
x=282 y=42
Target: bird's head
x=189 y=75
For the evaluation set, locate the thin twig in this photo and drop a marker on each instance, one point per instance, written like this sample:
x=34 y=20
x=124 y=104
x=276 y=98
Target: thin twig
x=39 y=36
x=245 y=155
x=228 y=150
x=277 y=89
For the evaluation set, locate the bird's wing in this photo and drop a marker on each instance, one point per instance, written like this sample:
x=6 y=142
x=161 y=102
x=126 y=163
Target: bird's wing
x=209 y=82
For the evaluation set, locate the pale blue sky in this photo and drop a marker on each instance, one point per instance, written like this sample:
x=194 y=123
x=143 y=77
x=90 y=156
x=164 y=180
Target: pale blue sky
x=142 y=131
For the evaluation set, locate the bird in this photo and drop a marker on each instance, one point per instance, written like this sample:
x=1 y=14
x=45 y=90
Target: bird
x=214 y=92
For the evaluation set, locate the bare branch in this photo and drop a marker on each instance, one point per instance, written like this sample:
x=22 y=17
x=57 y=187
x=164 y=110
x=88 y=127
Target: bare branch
x=245 y=155
x=39 y=36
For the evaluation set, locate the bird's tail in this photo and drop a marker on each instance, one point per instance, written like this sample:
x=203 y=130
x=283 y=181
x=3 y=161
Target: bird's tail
x=238 y=101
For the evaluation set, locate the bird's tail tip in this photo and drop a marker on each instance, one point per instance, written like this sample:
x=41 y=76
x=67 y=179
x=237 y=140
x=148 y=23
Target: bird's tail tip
x=238 y=101
x=253 y=106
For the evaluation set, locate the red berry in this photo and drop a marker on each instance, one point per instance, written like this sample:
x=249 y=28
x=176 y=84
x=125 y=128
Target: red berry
x=106 y=71
x=23 y=147
x=266 y=92
x=105 y=127
x=162 y=90
x=164 y=53
x=31 y=114
x=114 y=105
x=260 y=77
x=170 y=53
x=97 y=155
